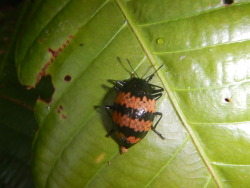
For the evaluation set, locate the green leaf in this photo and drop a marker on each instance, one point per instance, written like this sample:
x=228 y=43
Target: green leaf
x=203 y=46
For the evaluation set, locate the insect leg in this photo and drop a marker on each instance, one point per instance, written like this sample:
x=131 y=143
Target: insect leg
x=157 y=96
x=154 y=126
x=117 y=89
x=160 y=89
x=119 y=85
x=107 y=108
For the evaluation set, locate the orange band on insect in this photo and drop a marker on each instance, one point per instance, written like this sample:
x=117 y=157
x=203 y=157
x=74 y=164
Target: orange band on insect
x=135 y=124
x=135 y=102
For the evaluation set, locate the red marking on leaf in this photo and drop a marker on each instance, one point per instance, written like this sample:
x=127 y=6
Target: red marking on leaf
x=59 y=109
x=48 y=101
x=54 y=54
x=6 y=38
x=63 y=116
x=41 y=40
x=18 y=102
x=42 y=72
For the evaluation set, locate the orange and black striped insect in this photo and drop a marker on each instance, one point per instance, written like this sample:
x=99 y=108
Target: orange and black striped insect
x=134 y=109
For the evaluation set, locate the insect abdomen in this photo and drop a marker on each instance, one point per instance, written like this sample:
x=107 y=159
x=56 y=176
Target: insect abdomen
x=133 y=117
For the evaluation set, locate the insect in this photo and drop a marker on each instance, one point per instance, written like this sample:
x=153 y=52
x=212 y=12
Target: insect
x=134 y=109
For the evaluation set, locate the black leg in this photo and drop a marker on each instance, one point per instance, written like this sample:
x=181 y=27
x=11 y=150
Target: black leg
x=157 y=96
x=154 y=126
x=157 y=92
x=121 y=83
x=117 y=89
x=160 y=89
x=107 y=108
x=110 y=132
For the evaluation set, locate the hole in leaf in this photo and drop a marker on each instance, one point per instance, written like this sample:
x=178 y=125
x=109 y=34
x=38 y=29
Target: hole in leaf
x=67 y=78
x=228 y=2
x=45 y=89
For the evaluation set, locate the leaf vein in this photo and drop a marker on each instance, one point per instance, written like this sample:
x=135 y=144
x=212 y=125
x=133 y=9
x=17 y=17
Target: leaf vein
x=209 y=179
x=212 y=87
x=169 y=161
x=201 y=48
x=235 y=165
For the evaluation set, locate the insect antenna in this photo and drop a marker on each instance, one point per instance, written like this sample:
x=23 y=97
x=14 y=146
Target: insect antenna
x=132 y=68
x=152 y=75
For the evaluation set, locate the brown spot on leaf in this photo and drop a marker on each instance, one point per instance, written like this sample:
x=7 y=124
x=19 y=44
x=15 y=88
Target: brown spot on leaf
x=41 y=40
x=6 y=39
x=59 y=109
x=17 y=101
x=227 y=100
x=64 y=116
x=67 y=78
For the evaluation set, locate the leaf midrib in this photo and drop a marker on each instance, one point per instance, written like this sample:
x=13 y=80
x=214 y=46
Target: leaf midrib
x=167 y=89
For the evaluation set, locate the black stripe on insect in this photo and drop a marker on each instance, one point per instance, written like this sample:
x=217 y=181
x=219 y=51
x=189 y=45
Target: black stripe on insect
x=134 y=109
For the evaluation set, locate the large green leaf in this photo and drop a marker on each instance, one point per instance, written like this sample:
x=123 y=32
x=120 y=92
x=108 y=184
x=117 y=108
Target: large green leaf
x=203 y=46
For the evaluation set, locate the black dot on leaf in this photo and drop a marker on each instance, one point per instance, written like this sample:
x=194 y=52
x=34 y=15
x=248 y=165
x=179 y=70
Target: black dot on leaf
x=227 y=100
x=228 y=2
x=67 y=78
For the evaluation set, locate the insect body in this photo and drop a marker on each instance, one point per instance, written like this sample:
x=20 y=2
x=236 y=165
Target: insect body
x=134 y=110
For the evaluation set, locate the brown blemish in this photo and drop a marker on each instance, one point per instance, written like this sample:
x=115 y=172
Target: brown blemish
x=227 y=100
x=18 y=102
x=64 y=116
x=6 y=38
x=67 y=78
x=42 y=73
x=41 y=40
x=48 y=101
x=59 y=109
x=54 y=54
